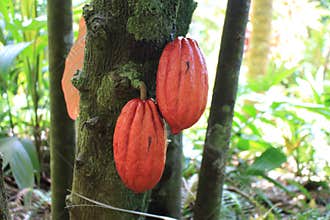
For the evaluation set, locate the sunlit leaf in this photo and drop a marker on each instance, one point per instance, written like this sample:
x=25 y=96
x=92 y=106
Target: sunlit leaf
x=270 y=159
x=319 y=109
x=19 y=161
x=32 y=151
x=274 y=76
x=34 y=24
x=8 y=54
x=243 y=144
x=250 y=110
x=252 y=143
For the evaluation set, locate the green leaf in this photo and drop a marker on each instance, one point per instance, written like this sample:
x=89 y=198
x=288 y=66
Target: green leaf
x=319 y=109
x=241 y=117
x=268 y=121
x=19 y=161
x=2 y=37
x=270 y=159
x=276 y=183
x=300 y=187
x=8 y=54
x=275 y=74
x=34 y=24
x=252 y=143
x=250 y=110
x=32 y=151
x=243 y=144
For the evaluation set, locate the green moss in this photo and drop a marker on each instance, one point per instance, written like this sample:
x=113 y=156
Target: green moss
x=103 y=92
x=152 y=20
x=132 y=72
x=120 y=79
x=184 y=15
x=218 y=136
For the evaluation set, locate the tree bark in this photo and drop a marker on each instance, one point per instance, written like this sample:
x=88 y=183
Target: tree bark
x=212 y=173
x=62 y=134
x=123 y=44
x=259 y=47
x=166 y=196
x=4 y=213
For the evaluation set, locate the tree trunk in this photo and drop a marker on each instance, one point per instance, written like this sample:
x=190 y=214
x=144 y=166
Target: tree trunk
x=123 y=44
x=259 y=47
x=62 y=134
x=211 y=178
x=166 y=196
x=4 y=214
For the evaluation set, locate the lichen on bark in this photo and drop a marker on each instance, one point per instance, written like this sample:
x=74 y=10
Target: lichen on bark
x=183 y=21
x=124 y=78
x=152 y=20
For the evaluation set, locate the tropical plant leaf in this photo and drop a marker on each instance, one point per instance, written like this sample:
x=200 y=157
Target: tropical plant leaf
x=19 y=161
x=276 y=183
x=8 y=54
x=275 y=74
x=270 y=159
x=318 y=109
x=300 y=187
x=252 y=143
x=35 y=24
x=32 y=151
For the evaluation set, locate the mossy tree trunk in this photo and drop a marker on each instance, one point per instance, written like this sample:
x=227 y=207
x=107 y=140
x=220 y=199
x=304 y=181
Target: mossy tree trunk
x=212 y=173
x=123 y=44
x=4 y=214
x=62 y=139
x=259 y=47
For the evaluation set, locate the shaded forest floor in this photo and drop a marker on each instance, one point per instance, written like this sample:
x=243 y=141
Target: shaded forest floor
x=238 y=203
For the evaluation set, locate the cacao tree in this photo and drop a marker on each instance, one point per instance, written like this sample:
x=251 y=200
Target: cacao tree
x=124 y=42
x=62 y=139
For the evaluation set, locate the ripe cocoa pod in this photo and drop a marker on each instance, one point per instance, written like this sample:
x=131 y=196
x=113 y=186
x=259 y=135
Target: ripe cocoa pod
x=139 y=145
x=74 y=62
x=182 y=84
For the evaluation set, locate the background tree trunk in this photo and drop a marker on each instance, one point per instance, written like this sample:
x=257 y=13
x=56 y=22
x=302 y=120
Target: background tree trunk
x=62 y=139
x=211 y=178
x=4 y=214
x=259 y=47
x=123 y=45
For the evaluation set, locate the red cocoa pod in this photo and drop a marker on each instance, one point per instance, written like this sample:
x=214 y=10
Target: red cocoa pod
x=74 y=62
x=139 y=145
x=182 y=84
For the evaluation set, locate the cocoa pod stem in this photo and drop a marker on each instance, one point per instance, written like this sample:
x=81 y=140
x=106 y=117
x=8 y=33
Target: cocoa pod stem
x=143 y=91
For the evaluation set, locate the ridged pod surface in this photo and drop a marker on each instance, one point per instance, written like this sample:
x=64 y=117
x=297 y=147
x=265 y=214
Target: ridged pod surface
x=182 y=83
x=139 y=145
